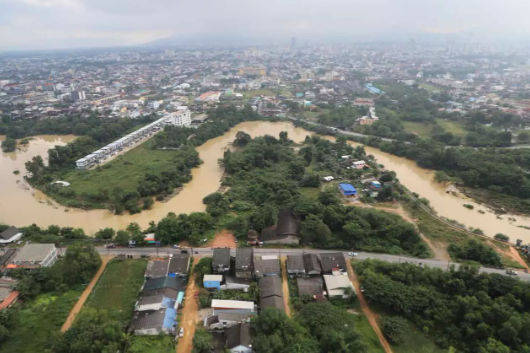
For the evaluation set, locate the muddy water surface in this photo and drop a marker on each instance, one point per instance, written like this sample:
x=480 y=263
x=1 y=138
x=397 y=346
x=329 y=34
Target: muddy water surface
x=22 y=207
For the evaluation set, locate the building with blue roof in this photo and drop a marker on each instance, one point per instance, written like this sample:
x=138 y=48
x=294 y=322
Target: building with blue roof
x=347 y=190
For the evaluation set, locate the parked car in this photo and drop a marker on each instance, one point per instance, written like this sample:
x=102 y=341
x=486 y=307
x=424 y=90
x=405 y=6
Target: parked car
x=111 y=246
x=181 y=332
x=183 y=251
x=511 y=272
x=176 y=246
x=196 y=295
x=145 y=256
x=352 y=254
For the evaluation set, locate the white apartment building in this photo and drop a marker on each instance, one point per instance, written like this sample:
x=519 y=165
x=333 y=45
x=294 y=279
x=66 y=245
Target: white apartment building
x=179 y=118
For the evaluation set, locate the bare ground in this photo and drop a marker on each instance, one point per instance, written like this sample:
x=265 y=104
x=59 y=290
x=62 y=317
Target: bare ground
x=285 y=287
x=189 y=316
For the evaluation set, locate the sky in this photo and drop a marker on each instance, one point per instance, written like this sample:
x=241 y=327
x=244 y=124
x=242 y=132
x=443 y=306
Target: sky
x=58 y=24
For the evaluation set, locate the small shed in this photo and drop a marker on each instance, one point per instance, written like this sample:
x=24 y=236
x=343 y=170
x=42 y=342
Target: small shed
x=212 y=281
x=376 y=184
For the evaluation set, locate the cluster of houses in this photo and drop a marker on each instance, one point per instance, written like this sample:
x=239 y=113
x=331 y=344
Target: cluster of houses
x=161 y=296
x=29 y=256
x=319 y=276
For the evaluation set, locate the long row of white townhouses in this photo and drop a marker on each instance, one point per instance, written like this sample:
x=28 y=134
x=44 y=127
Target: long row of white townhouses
x=184 y=119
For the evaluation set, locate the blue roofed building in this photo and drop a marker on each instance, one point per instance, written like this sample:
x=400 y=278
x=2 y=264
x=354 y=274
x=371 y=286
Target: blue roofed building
x=347 y=190
x=212 y=281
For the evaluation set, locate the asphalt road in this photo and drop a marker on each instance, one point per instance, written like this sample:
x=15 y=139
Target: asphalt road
x=165 y=251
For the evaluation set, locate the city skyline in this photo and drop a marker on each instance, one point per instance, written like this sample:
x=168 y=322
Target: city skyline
x=63 y=24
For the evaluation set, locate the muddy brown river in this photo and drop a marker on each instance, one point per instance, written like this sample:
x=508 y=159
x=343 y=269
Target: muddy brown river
x=22 y=205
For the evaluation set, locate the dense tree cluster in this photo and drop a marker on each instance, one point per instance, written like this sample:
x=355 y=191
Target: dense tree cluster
x=474 y=250
x=461 y=308
x=9 y=145
x=190 y=227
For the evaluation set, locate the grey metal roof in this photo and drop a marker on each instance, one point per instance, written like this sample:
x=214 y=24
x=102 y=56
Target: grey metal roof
x=310 y=286
x=151 y=299
x=288 y=224
x=8 y=255
x=244 y=259
x=269 y=286
x=179 y=263
x=164 y=282
x=148 y=319
x=272 y=302
x=33 y=252
x=311 y=263
x=221 y=257
x=166 y=292
x=227 y=316
x=157 y=268
x=332 y=260
x=295 y=263
x=238 y=335
x=9 y=233
x=266 y=266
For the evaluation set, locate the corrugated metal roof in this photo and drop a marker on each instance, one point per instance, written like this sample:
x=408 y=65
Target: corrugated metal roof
x=232 y=304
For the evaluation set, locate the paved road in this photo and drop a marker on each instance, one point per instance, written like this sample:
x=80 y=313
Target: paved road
x=164 y=251
x=351 y=133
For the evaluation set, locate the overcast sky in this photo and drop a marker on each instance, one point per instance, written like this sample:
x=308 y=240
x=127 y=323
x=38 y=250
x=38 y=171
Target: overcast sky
x=52 y=24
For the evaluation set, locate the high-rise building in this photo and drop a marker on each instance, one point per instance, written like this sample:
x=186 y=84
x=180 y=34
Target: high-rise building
x=293 y=42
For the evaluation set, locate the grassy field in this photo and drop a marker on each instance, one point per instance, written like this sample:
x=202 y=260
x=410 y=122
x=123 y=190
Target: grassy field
x=425 y=129
x=117 y=289
x=311 y=193
x=125 y=171
x=417 y=342
x=429 y=87
x=371 y=339
x=151 y=344
x=38 y=321
x=258 y=92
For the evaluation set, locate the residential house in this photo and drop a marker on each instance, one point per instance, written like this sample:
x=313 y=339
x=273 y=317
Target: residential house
x=179 y=265
x=286 y=231
x=244 y=263
x=311 y=286
x=212 y=281
x=174 y=283
x=10 y=235
x=232 y=306
x=34 y=256
x=295 y=265
x=237 y=339
x=337 y=284
x=157 y=301
x=266 y=265
x=221 y=261
x=225 y=320
x=332 y=261
x=154 y=322
x=157 y=268
x=252 y=237
x=271 y=294
x=312 y=264
x=236 y=283
x=9 y=254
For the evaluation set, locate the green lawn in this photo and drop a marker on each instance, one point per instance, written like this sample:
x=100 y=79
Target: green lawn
x=258 y=92
x=429 y=87
x=117 y=289
x=311 y=193
x=151 y=344
x=38 y=321
x=425 y=129
x=125 y=171
x=417 y=342
x=371 y=339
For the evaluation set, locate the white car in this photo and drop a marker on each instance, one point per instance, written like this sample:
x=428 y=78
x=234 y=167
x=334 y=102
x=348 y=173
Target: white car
x=176 y=246
x=352 y=254
x=181 y=332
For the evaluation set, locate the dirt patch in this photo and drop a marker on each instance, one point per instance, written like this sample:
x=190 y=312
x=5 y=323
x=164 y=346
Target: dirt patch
x=223 y=239
x=372 y=318
x=511 y=252
x=82 y=299
x=188 y=316
x=285 y=287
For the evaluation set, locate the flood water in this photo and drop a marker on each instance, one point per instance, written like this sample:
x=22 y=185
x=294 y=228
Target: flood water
x=23 y=207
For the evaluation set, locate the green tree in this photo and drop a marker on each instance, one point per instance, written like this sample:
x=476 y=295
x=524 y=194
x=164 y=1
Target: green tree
x=313 y=230
x=106 y=233
x=242 y=138
x=202 y=341
x=494 y=346
x=122 y=237
x=523 y=137
x=441 y=177
x=395 y=328
x=329 y=197
x=9 y=145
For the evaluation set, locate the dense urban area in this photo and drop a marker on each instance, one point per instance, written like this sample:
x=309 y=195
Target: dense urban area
x=302 y=198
